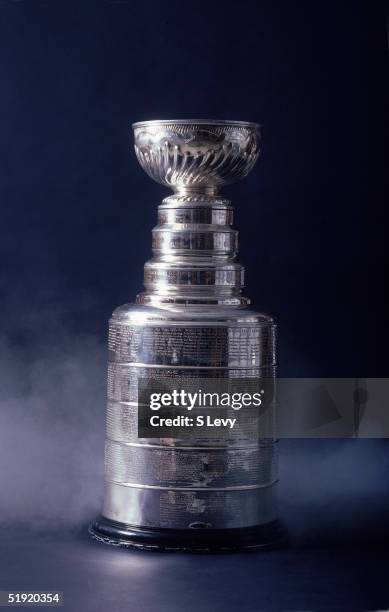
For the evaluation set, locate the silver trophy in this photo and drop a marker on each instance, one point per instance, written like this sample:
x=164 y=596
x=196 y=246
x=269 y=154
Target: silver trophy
x=191 y=321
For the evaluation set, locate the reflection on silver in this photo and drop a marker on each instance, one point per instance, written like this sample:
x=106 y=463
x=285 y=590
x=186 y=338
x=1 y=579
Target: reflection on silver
x=201 y=155
x=191 y=320
x=164 y=508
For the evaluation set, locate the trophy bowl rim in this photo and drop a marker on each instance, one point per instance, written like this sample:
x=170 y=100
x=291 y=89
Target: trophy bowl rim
x=213 y=122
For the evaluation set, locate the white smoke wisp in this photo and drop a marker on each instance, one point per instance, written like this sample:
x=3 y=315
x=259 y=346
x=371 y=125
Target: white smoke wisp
x=52 y=433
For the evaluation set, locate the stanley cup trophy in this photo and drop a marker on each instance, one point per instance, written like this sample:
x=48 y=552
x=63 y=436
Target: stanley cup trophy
x=191 y=321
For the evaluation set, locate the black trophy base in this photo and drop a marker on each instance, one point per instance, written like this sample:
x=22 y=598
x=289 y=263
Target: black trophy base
x=261 y=537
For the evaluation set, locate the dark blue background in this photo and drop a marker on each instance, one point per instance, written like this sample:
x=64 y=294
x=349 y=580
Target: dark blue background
x=77 y=210
x=76 y=215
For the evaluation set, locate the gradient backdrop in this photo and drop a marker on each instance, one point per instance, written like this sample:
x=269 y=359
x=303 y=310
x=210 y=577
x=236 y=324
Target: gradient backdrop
x=77 y=210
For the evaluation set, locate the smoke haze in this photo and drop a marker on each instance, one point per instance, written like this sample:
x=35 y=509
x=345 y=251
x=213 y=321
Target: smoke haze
x=52 y=414
x=52 y=403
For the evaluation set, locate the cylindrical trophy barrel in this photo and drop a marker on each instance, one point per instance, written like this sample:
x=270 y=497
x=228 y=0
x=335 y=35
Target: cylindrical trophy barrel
x=195 y=493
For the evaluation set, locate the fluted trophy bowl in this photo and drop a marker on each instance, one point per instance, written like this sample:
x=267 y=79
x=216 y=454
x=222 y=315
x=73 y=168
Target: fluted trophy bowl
x=196 y=154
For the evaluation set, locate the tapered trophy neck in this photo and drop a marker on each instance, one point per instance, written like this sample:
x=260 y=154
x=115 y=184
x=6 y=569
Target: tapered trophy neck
x=194 y=244
x=194 y=249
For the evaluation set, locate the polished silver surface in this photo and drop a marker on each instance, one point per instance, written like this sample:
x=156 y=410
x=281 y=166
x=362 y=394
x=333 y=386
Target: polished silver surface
x=196 y=154
x=190 y=321
x=161 y=508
